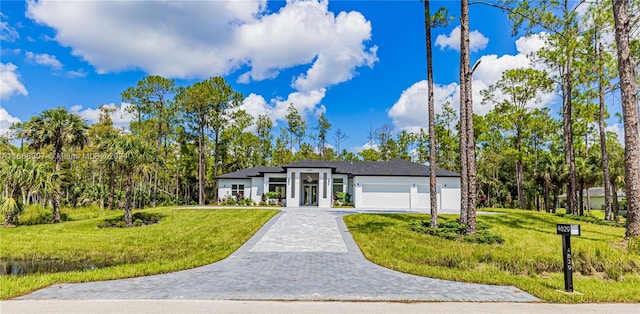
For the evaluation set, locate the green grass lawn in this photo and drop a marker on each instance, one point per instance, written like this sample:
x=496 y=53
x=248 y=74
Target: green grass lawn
x=184 y=238
x=606 y=268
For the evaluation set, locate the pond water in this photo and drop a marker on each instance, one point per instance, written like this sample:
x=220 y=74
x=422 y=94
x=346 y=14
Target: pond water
x=20 y=268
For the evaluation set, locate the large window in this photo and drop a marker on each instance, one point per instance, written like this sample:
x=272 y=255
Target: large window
x=278 y=185
x=293 y=184
x=337 y=185
x=325 y=186
x=237 y=188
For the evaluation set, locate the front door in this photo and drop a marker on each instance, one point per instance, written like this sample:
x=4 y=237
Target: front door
x=310 y=195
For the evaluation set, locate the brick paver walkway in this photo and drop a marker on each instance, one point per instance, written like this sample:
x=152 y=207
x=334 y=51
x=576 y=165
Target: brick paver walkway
x=301 y=254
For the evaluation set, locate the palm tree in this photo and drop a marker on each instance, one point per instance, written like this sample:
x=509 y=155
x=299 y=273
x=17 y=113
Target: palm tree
x=108 y=148
x=16 y=175
x=40 y=182
x=56 y=128
x=133 y=156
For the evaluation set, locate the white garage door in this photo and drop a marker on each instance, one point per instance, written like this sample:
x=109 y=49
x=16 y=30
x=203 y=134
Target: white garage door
x=424 y=200
x=385 y=196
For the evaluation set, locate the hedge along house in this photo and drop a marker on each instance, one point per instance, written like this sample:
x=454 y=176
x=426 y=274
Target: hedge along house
x=395 y=184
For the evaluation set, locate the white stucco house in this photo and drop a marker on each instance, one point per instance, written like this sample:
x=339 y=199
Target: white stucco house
x=395 y=184
x=594 y=197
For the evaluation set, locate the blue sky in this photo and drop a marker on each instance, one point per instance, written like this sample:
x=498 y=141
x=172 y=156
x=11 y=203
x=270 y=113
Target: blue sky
x=361 y=62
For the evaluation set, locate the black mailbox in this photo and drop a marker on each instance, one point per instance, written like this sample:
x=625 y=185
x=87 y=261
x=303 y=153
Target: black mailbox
x=567 y=230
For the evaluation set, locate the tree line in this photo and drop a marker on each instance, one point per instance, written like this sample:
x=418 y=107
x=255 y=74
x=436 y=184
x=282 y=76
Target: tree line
x=517 y=155
x=582 y=66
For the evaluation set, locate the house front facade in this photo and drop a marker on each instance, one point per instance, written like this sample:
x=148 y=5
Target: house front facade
x=395 y=184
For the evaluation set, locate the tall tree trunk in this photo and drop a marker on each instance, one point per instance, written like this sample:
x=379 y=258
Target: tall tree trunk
x=603 y=140
x=57 y=194
x=614 y=203
x=128 y=200
x=567 y=110
x=586 y=187
x=629 y=90
x=112 y=187
x=101 y=185
x=201 y=173
x=470 y=146
x=520 y=184
x=154 y=196
x=580 y=199
x=216 y=155
x=432 y=130
x=569 y=157
x=464 y=170
x=547 y=208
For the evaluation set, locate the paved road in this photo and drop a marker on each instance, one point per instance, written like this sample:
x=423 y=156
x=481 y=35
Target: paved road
x=301 y=254
x=307 y=307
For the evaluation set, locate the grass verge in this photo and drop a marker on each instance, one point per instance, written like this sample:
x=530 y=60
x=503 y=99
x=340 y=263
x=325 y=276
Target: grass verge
x=607 y=269
x=184 y=238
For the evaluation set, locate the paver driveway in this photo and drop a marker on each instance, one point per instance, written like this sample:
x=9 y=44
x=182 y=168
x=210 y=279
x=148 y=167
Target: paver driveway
x=301 y=254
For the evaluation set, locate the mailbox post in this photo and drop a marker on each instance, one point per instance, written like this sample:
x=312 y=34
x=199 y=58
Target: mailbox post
x=567 y=230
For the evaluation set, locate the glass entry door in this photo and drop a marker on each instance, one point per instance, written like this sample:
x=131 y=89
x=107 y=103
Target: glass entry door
x=310 y=195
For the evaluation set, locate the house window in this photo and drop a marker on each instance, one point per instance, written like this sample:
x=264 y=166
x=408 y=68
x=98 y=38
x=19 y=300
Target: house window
x=324 y=189
x=293 y=184
x=237 y=188
x=278 y=185
x=337 y=185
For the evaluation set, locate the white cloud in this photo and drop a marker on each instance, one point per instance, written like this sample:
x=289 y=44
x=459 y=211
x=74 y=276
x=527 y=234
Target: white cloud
x=44 y=59
x=529 y=44
x=7 y=32
x=410 y=110
x=492 y=66
x=77 y=73
x=120 y=117
x=6 y=120
x=477 y=41
x=306 y=102
x=199 y=39
x=10 y=81
x=367 y=145
x=204 y=38
x=308 y=31
x=618 y=129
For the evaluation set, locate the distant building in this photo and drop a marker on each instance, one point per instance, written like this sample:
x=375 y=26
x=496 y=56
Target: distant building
x=595 y=197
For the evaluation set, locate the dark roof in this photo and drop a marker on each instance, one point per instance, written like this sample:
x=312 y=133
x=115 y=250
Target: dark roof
x=596 y=191
x=251 y=172
x=395 y=167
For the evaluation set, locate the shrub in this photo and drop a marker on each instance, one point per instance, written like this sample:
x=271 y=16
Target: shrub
x=230 y=201
x=37 y=215
x=272 y=195
x=634 y=246
x=139 y=219
x=484 y=237
x=245 y=202
x=453 y=230
x=343 y=198
x=591 y=219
